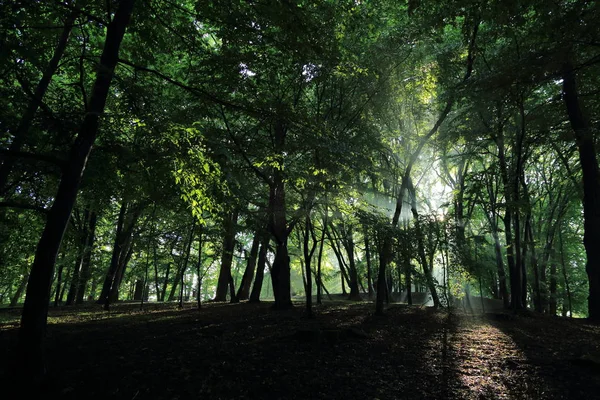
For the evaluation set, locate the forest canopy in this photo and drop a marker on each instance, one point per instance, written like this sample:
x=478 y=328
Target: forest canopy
x=182 y=150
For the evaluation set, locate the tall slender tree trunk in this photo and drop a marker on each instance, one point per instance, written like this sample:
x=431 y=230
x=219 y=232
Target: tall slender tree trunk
x=20 y=289
x=500 y=268
x=556 y=214
x=115 y=289
x=91 y=218
x=227 y=256
x=319 y=278
x=138 y=290
x=492 y=216
x=178 y=272
x=81 y=242
x=280 y=271
x=341 y=263
x=564 y=271
x=519 y=180
x=408 y=280
x=58 y=284
x=62 y=293
x=385 y=252
x=74 y=284
x=163 y=294
x=591 y=186
x=146 y=285
x=308 y=253
x=348 y=242
x=513 y=255
x=260 y=268
x=116 y=252
x=320 y=285
x=156 y=277
x=199 y=269
x=30 y=363
x=21 y=133
x=553 y=286
x=188 y=250
x=446 y=264
x=122 y=251
x=538 y=303
x=244 y=290
x=368 y=259
x=427 y=269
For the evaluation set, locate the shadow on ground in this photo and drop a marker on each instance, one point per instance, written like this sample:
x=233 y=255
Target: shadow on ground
x=559 y=358
x=247 y=351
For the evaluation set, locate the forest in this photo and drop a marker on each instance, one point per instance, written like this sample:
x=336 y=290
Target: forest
x=292 y=167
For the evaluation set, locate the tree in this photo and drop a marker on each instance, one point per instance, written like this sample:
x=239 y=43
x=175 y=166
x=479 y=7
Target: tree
x=33 y=321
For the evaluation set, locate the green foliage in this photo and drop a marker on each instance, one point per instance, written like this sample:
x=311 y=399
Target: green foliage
x=199 y=177
x=354 y=88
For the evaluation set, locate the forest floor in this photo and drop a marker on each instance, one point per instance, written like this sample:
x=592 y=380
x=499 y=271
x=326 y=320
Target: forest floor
x=248 y=351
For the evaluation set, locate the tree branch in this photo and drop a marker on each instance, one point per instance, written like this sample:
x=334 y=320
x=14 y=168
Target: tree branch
x=24 y=155
x=23 y=206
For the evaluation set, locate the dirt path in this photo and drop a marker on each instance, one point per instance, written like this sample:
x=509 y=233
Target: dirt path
x=247 y=352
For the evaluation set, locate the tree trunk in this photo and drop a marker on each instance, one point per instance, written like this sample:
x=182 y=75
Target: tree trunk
x=81 y=243
x=74 y=284
x=556 y=214
x=427 y=269
x=164 y=290
x=494 y=285
x=518 y=176
x=368 y=258
x=308 y=253
x=538 y=302
x=231 y=288
x=156 y=277
x=21 y=133
x=91 y=219
x=180 y=266
x=553 y=295
x=244 y=290
x=564 y=271
x=260 y=268
x=122 y=251
x=188 y=250
x=116 y=252
x=227 y=256
x=591 y=187
x=348 y=242
x=389 y=286
x=280 y=272
x=115 y=289
x=58 y=283
x=319 y=277
x=30 y=351
x=199 y=270
x=500 y=268
x=341 y=263
x=492 y=217
x=138 y=291
x=385 y=252
x=146 y=285
x=513 y=255
x=17 y=296
x=408 y=279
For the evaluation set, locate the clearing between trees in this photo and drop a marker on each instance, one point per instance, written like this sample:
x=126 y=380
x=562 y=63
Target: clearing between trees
x=248 y=351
